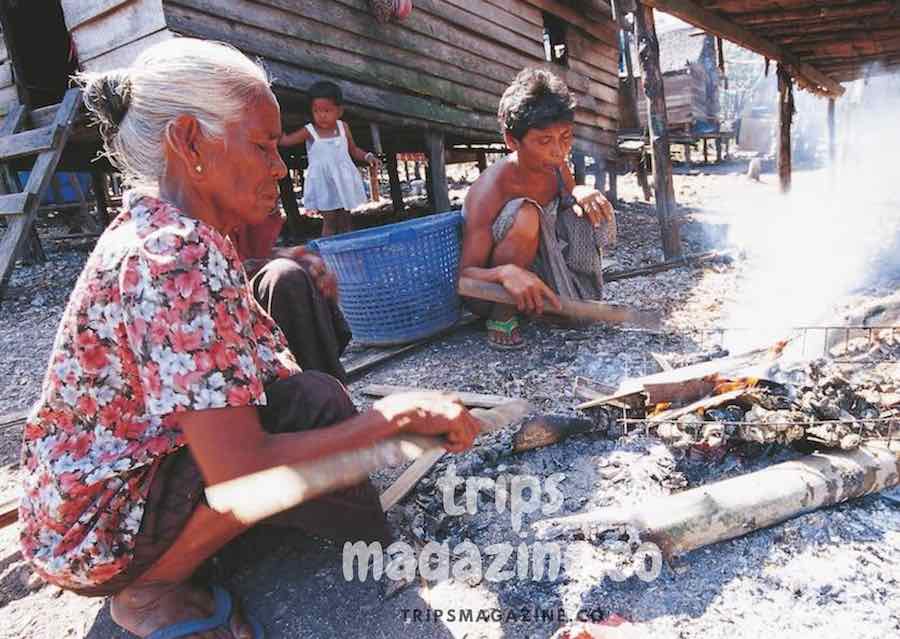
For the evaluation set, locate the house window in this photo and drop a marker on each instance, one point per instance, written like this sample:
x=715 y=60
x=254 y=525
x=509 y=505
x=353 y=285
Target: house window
x=555 y=48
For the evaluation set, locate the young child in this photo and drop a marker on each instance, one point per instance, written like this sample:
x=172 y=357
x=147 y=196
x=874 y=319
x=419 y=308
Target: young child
x=333 y=185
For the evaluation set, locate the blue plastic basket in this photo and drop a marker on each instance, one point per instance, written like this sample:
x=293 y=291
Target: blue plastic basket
x=397 y=283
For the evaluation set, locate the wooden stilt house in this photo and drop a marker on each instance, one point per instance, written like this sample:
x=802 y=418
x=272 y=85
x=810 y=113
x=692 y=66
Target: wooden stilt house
x=428 y=83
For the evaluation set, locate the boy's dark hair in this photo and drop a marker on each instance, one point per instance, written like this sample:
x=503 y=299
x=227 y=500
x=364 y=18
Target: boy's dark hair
x=535 y=100
x=325 y=89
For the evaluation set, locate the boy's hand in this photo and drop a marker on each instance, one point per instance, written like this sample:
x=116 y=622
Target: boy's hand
x=593 y=204
x=373 y=160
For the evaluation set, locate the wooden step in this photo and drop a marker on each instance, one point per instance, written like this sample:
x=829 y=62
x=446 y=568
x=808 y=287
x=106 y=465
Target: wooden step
x=27 y=143
x=15 y=203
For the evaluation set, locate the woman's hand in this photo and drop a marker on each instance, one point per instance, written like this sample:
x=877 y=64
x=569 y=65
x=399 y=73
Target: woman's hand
x=325 y=280
x=528 y=290
x=430 y=413
x=593 y=204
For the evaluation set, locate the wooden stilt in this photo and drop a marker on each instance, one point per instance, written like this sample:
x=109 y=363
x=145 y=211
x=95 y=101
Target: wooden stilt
x=718 y=150
x=613 y=192
x=394 y=179
x=785 y=118
x=289 y=203
x=832 y=140
x=482 y=161
x=705 y=151
x=687 y=157
x=579 y=162
x=438 y=193
x=659 y=130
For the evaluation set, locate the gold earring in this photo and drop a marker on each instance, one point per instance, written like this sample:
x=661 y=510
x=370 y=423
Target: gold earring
x=199 y=168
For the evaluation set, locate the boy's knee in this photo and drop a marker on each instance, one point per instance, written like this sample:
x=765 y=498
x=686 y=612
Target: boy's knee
x=528 y=221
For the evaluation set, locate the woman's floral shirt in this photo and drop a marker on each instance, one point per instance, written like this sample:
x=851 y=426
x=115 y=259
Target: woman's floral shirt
x=160 y=321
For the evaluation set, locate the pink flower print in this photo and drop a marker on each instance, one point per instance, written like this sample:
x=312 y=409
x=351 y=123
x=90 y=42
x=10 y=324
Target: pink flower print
x=223 y=356
x=190 y=283
x=203 y=361
x=193 y=252
x=87 y=405
x=152 y=380
x=186 y=341
x=238 y=396
x=159 y=330
x=94 y=359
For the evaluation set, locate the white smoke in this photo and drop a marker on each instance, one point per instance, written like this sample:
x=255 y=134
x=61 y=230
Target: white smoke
x=835 y=231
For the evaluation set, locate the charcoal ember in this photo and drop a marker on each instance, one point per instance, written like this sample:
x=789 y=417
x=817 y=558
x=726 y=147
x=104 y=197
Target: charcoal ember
x=821 y=407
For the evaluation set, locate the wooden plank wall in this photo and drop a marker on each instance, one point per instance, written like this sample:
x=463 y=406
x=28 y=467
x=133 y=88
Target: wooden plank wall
x=444 y=67
x=8 y=94
x=111 y=33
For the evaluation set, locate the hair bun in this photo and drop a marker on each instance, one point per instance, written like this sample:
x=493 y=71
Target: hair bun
x=107 y=96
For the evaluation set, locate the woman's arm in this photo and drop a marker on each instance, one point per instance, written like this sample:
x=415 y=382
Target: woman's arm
x=358 y=154
x=230 y=442
x=299 y=136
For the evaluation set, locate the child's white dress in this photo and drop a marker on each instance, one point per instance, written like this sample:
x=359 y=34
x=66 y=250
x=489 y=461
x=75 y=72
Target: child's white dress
x=332 y=180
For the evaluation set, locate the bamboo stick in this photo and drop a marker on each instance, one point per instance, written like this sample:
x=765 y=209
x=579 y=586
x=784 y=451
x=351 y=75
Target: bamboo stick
x=574 y=309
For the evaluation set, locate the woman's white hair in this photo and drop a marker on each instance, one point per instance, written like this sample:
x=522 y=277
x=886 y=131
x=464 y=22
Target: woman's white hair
x=211 y=81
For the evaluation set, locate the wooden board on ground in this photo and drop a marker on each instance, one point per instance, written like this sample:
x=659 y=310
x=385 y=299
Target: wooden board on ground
x=471 y=400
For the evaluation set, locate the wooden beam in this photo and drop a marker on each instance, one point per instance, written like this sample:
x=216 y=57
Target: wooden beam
x=27 y=143
x=785 y=118
x=437 y=173
x=808 y=76
x=658 y=123
x=14 y=203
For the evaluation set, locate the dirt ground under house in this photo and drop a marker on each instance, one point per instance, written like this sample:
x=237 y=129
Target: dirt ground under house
x=829 y=574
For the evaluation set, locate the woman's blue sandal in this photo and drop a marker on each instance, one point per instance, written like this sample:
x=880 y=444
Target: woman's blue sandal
x=220 y=617
x=510 y=328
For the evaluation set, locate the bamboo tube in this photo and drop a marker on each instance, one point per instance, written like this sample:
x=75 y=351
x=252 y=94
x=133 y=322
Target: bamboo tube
x=734 y=507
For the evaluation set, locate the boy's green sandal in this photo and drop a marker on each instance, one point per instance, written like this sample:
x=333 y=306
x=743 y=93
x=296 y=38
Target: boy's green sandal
x=509 y=329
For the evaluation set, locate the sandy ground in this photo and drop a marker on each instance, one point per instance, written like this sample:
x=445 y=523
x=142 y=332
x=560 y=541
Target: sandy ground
x=828 y=574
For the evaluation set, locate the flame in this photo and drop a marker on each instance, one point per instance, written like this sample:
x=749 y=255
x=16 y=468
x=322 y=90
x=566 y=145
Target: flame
x=659 y=408
x=726 y=386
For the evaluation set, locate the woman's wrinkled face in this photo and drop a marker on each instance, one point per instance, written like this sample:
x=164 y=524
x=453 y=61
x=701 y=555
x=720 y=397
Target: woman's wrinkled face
x=246 y=166
x=326 y=113
x=544 y=149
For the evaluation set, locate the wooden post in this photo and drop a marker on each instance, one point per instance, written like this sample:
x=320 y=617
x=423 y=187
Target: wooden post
x=785 y=118
x=648 y=47
x=482 y=161
x=438 y=193
x=98 y=182
x=832 y=141
x=719 y=149
x=705 y=151
x=687 y=156
x=289 y=203
x=613 y=193
x=394 y=178
x=578 y=161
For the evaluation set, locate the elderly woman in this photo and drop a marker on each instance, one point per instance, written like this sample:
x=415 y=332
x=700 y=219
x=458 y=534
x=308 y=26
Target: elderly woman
x=166 y=376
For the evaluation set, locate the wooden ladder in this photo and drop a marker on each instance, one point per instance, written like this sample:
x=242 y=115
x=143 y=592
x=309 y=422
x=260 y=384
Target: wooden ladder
x=47 y=143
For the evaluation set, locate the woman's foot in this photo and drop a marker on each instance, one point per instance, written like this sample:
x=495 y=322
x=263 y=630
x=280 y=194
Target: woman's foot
x=504 y=334
x=144 y=609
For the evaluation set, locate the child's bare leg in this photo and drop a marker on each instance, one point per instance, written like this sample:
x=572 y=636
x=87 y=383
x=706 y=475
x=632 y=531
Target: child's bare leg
x=330 y=223
x=345 y=221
